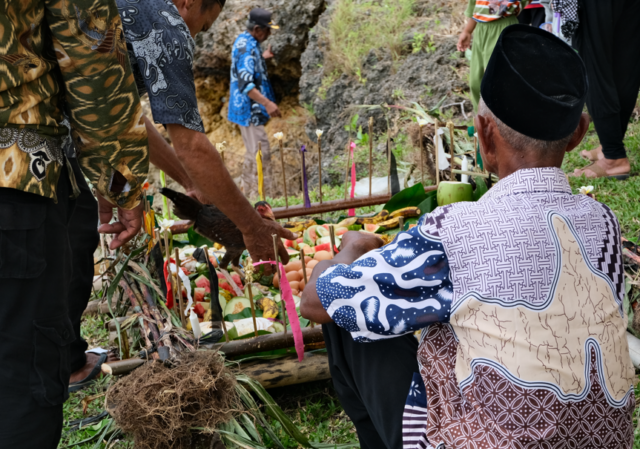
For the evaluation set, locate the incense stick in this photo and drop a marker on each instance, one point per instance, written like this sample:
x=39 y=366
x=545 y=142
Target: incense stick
x=319 y=134
x=346 y=173
x=332 y=236
x=450 y=125
x=277 y=259
x=421 y=154
x=370 y=156
x=179 y=288
x=279 y=136
x=436 y=137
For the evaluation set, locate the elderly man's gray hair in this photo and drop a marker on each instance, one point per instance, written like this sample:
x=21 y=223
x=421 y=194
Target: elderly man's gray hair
x=519 y=141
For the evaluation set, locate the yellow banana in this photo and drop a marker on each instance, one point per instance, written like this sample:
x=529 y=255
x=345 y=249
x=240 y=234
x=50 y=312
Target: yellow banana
x=380 y=217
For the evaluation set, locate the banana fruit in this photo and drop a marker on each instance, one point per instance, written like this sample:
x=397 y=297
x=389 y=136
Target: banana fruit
x=299 y=226
x=406 y=212
x=268 y=306
x=380 y=217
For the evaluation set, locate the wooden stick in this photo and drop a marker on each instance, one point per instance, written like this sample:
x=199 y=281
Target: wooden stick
x=370 y=156
x=421 y=154
x=282 y=303
x=183 y=320
x=332 y=236
x=304 y=274
x=401 y=222
x=168 y=251
x=224 y=324
x=320 y=167
x=253 y=310
x=346 y=175
x=389 y=159
x=284 y=175
x=469 y=173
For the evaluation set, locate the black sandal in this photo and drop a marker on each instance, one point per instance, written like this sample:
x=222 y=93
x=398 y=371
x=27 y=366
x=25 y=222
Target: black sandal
x=91 y=377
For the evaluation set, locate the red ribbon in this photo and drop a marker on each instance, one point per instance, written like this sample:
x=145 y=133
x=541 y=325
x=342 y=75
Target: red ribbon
x=168 y=283
x=290 y=306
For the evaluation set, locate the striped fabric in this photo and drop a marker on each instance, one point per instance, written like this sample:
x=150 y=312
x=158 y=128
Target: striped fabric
x=490 y=10
x=414 y=419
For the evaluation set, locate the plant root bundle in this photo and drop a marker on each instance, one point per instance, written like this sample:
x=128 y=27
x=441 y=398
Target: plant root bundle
x=159 y=405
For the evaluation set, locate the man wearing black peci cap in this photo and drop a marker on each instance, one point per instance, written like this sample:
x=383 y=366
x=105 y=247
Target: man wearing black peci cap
x=252 y=100
x=518 y=296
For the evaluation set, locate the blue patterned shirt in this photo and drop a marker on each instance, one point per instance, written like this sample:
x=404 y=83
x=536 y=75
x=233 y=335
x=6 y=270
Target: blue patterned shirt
x=248 y=72
x=397 y=289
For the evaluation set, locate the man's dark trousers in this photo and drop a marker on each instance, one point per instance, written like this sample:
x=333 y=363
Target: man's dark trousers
x=84 y=240
x=35 y=329
x=372 y=381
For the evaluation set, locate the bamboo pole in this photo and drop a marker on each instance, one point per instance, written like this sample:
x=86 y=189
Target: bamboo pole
x=280 y=274
x=332 y=236
x=320 y=166
x=370 y=156
x=284 y=174
x=304 y=275
x=224 y=324
x=183 y=320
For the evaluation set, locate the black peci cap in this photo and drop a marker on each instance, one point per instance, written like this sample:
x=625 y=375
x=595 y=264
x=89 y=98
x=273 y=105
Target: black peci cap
x=262 y=17
x=535 y=83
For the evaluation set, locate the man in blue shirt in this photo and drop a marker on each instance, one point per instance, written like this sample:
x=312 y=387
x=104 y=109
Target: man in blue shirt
x=252 y=101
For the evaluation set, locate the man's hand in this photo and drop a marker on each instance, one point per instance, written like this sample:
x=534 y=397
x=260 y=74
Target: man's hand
x=259 y=242
x=268 y=54
x=360 y=243
x=464 y=41
x=273 y=110
x=128 y=224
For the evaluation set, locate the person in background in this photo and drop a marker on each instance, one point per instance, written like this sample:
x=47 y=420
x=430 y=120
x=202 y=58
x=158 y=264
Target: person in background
x=490 y=17
x=607 y=36
x=533 y=14
x=252 y=100
x=518 y=296
x=60 y=63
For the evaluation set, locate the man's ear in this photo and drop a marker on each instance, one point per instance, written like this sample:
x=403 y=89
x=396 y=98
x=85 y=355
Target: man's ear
x=579 y=133
x=188 y=4
x=486 y=127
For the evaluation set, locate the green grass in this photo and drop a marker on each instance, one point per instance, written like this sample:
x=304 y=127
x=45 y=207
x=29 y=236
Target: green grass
x=357 y=27
x=623 y=197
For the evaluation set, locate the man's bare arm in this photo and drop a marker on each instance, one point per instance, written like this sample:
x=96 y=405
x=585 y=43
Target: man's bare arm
x=203 y=164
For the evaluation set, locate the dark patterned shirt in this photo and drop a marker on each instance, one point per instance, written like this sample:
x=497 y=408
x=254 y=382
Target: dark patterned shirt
x=58 y=53
x=161 y=52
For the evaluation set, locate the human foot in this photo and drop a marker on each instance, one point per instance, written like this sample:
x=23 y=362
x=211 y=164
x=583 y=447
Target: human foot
x=605 y=168
x=593 y=155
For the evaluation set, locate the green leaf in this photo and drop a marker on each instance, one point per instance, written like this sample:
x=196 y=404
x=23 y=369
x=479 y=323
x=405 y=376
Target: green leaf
x=411 y=196
x=355 y=227
x=481 y=188
x=197 y=240
x=246 y=313
x=430 y=203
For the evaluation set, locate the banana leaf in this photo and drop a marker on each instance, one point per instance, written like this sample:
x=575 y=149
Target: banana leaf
x=481 y=188
x=197 y=240
x=411 y=196
x=430 y=203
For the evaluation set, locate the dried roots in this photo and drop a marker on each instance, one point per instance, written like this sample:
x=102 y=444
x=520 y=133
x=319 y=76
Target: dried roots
x=159 y=405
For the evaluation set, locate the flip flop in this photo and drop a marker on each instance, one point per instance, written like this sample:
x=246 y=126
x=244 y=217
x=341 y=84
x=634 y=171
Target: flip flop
x=593 y=155
x=601 y=173
x=91 y=377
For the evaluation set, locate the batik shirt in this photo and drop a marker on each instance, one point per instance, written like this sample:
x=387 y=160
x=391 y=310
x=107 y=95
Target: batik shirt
x=248 y=72
x=57 y=53
x=526 y=345
x=491 y=10
x=161 y=53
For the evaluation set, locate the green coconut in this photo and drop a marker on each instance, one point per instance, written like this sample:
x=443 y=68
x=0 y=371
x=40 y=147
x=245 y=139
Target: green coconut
x=454 y=192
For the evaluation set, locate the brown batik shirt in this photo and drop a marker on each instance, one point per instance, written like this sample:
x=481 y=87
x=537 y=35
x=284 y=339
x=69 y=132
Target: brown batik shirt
x=68 y=55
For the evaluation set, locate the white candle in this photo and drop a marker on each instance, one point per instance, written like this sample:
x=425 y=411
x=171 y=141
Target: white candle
x=465 y=167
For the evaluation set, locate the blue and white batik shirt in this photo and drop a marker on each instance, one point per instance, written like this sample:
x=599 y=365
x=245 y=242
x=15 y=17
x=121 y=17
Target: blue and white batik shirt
x=248 y=72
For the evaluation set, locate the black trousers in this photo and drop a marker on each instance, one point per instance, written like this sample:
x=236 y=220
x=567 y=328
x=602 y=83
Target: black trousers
x=35 y=330
x=84 y=240
x=372 y=381
x=532 y=16
x=608 y=40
